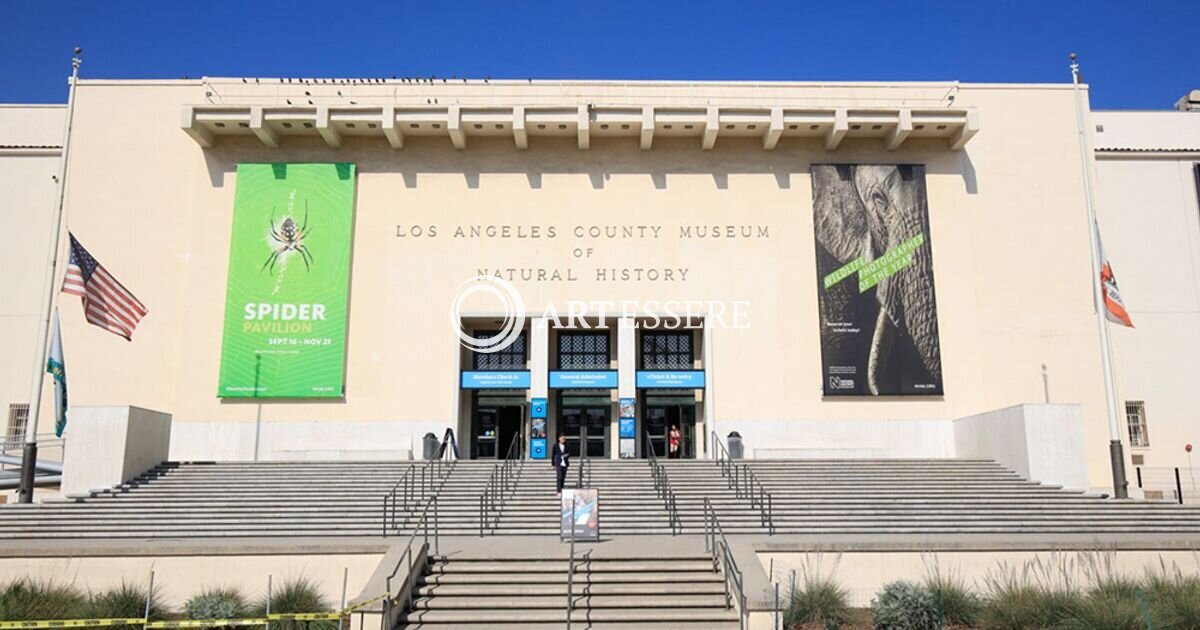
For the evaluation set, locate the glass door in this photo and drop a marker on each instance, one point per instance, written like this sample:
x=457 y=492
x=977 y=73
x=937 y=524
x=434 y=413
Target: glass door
x=664 y=412
x=584 y=420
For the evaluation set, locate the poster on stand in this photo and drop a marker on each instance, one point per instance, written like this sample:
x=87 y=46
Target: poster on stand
x=580 y=514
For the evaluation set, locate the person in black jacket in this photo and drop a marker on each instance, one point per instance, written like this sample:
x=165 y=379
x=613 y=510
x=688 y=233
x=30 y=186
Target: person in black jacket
x=559 y=459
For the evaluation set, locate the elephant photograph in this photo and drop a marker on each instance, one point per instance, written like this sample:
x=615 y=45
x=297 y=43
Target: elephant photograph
x=878 y=313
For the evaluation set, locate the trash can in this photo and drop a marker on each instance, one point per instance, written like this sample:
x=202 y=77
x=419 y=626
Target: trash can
x=736 y=450
x=429 y=446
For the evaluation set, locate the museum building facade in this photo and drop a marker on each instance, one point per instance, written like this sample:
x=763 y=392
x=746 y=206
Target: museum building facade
x=335 y=268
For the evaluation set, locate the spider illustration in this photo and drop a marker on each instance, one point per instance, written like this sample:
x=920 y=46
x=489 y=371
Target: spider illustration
x=290 y=239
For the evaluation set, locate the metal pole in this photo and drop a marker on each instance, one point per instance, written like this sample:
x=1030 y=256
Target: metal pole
x=267 y=626
x=1178 y=487
x=345 y=579
x=1115 y=448
x=29 y=453
x=149 y=596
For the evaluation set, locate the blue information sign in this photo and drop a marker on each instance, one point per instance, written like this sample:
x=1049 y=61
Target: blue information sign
x=537 y=448
x=495 y=380
x=537 y=408
x=596 y=379
x=627 y=428
x=670 y=379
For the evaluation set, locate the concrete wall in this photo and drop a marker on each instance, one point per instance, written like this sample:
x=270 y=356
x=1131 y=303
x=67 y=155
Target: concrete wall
x=1150 y=219
x=1002 y=212
x=180 y=577
x=863 y=574
x=1043 y=443
x=27 y=177
x=113 y=445
x=296 y=441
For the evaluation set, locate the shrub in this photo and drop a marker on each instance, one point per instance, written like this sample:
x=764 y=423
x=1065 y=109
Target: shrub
x=1032 y=598
x=959 y=605
x=216 y=603
x=31 y=600
x=818 y=602
x=296 y=595
x=1173 y=599
x=126 y=600
x=904 y=605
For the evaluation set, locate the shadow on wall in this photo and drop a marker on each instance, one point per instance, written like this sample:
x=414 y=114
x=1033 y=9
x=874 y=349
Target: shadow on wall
x=605 y=158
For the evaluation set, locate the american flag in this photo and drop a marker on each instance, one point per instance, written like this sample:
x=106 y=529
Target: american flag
x=106 y=303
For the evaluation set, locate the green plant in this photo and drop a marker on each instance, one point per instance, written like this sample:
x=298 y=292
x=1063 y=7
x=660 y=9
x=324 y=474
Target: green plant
x=904 y=605
x=216 y=603
x=296 y=595
x=818 y=602
x=126 y=600
x=31 y=600
x=1041 y=595
x=1173 y=598
x=960 y=605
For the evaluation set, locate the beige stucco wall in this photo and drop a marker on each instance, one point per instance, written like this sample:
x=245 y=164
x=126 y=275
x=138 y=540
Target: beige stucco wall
x=29 y=139
x=1008 y=233
x=177 y=578
x=1150 y=219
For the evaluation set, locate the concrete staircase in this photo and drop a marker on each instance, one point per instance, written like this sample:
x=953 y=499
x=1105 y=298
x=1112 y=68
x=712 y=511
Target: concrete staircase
x=658 y=591
x=345 y=499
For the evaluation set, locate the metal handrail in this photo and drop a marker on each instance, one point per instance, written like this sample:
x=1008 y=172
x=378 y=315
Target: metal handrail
x=722 y=558
x=571 y=569
x=585 y=470
x=422 y=528
x=500 y=486
x=745 y=485
x=417 y=483
x=662 y=487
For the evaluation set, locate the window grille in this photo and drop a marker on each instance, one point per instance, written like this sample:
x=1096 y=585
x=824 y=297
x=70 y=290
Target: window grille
x=583 y=351
x=667 y=350
x=18 y=417
x=1135 y=415
x=510 y=358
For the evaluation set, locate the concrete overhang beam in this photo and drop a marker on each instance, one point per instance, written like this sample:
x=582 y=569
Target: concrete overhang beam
x=264 y=132
x=712 y=127
x=390 y=131
x=328 y=132
x=841 y=126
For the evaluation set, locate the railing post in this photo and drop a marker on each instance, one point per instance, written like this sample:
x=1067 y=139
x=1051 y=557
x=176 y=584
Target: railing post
x=1178 y=486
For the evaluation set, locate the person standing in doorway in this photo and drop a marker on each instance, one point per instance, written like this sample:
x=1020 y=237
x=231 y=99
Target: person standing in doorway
x=559 y=459
x=674 y=440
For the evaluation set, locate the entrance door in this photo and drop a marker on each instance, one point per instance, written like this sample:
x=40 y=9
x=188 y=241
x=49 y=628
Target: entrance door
x=497 y=421
x=585 y=422
x=665 y=412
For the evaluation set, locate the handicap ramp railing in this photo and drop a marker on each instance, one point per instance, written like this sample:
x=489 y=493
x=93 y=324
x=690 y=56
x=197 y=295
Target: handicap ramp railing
x=745 y=484
x=416 y=485
x=501 y=485
x=662 y=488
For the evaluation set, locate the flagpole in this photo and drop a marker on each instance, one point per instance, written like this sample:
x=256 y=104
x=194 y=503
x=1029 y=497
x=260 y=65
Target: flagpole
x=29 y=453
x=1116 y=451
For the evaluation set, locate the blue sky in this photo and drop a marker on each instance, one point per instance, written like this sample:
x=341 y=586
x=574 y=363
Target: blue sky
x=1136 y=55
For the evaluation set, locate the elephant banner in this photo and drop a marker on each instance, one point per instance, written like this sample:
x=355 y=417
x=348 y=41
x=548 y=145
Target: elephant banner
x=878 y=314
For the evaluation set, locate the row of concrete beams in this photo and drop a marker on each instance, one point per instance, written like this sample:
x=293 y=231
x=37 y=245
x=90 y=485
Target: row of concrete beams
x=203 y=123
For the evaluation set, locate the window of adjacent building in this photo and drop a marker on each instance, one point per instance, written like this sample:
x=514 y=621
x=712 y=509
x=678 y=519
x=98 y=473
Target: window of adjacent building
x=18 y=416
x=1135 y=415
x=583 y=350
x=510 y=358
x=667 y=350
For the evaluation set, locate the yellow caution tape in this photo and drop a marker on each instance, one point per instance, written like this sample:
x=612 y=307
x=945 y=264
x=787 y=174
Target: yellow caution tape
x=71 y=623
x=368 y=602
x=305 y=616
x=206 y=623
